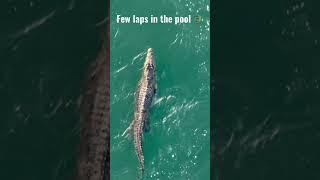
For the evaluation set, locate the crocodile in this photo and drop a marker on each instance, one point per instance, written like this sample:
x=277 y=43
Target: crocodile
x=143 y=98
x=93 y=151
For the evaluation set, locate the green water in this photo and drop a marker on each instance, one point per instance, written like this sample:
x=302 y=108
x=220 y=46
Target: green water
x=41 y=75
x=265 y=115
x=177 y=146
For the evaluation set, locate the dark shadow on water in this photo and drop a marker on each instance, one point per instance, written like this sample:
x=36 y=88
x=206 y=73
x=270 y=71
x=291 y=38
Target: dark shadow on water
x=265 y=90
x=41 y=73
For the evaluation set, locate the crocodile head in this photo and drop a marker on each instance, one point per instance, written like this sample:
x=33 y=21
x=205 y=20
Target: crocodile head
x=149 y=64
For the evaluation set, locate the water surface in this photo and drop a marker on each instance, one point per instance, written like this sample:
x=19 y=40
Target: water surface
x=177 y=146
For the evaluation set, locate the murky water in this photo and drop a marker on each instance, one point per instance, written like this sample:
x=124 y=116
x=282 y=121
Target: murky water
x=266 y=90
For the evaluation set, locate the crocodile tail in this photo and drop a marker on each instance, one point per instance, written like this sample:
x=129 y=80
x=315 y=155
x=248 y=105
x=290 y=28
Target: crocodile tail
x=141 y=171
x=138 y=147
x=141 y=162
x=140 y=156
